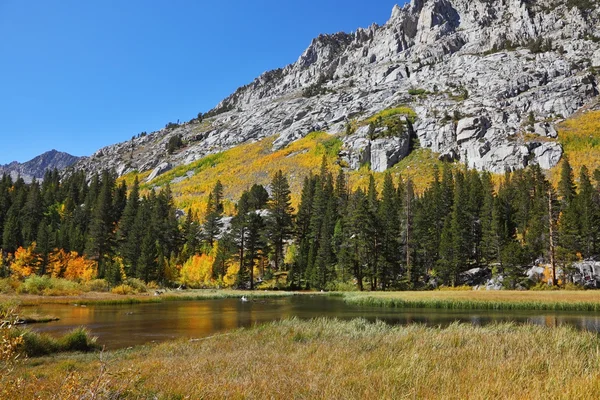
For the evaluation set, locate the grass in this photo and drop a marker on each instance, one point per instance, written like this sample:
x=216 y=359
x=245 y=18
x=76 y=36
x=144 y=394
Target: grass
x=111 y=298
x=481 y=300
x=38 y=344
x=390 y=112
x=324 y=359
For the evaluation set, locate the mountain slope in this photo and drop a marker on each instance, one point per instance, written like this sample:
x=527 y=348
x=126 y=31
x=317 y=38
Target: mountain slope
x=483 y=82
x=37 y=167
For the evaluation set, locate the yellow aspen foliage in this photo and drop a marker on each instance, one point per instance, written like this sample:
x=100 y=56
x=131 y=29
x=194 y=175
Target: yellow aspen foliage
x=25 y=262
x=71 y=266
x=232 y=272
x=197 y=270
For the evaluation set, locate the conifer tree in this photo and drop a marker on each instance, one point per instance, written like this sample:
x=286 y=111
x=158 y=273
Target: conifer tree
x=566 y=185
x=32 y=213
x=280 y=218
x=588 y=214
x=101 y=227
x=390 y=233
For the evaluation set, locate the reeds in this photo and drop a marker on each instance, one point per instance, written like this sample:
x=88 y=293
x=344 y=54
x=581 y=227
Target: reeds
x=324 y=359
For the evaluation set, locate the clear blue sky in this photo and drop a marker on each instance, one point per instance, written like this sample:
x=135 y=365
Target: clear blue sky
x=76 y=75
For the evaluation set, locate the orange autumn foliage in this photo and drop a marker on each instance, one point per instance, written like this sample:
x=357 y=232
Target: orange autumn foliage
x=71 y=266
x=25 y=262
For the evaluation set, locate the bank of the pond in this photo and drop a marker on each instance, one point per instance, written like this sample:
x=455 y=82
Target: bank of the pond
x=105 y=298
x=560 y=300
x=326 y=359
x=479 y=300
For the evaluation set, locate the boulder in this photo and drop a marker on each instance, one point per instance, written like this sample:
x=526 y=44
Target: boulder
x=471 y=128
x=548 y=154
x=545 y=129
x=596 y=59
x=387 y=152
x=159 y=170
x=475 y=277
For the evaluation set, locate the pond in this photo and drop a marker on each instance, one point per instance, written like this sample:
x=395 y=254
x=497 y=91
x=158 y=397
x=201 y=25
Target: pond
x=119 y=326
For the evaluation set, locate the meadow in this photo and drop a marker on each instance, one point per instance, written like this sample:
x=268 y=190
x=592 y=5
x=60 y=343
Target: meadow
x=324 y=359
x=557 y=300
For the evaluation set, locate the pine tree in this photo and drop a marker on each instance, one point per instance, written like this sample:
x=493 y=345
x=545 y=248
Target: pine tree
x=280 y=217
x=303 y=218
x=212 y=224
x=460 y=228
x=374 y=227
x=390 y=233
x=11 y=236
x=566 y=185
x=32 y=214
x=127 y=223
x=489 y=237
x=588 y=214
x=101 y=227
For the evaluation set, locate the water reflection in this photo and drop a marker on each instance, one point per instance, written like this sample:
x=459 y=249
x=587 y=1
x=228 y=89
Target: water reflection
x=120 y=326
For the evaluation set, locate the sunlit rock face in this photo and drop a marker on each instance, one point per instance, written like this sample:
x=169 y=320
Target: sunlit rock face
x=493 y=78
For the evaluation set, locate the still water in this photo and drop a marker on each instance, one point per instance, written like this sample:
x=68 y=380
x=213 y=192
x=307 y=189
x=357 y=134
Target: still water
x=118 y=326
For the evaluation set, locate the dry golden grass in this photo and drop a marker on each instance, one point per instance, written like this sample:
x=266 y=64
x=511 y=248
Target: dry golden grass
x=328 y=359
x=492 y=295
x=475 y=299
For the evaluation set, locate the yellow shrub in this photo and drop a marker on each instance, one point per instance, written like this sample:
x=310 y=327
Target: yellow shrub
x=197 y=270
x=123 y=289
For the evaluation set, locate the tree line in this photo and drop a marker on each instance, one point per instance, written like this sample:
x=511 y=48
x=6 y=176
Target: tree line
x=374 y=238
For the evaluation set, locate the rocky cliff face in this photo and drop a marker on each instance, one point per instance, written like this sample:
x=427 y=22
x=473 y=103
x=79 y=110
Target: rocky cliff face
x=487 y=80
x=37 y=167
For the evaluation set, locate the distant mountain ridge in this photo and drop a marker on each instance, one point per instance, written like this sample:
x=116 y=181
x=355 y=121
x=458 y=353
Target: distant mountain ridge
x=37 y=167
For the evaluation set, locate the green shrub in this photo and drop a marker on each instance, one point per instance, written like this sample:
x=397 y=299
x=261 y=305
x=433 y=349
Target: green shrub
x=44 y=285
x=137 y=285
x=35 y=285
x=339 y=286
x=417 y=92
x=79 y=339
x=36 y=344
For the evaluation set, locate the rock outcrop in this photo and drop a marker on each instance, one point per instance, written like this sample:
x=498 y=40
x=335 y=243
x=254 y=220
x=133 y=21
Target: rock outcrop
x=37 y=167
x=487 y=80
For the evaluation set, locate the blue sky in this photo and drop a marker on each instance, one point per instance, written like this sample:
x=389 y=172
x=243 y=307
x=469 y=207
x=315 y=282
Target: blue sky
x=77 y=75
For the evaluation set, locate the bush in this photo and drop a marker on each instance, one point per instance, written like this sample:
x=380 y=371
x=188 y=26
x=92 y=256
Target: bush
x=175 y=143
x=79 y=339
x=35 y=285
x=46 y=286
x=123 y=289
x=9 y=285
x=339 y=286
x=97 y=285
x=417 y=92
x=137 y=285
x=36 y=344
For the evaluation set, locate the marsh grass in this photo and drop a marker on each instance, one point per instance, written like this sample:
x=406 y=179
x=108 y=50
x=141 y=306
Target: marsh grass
x=38 y=344
x=481 y=300
x=327 y=359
